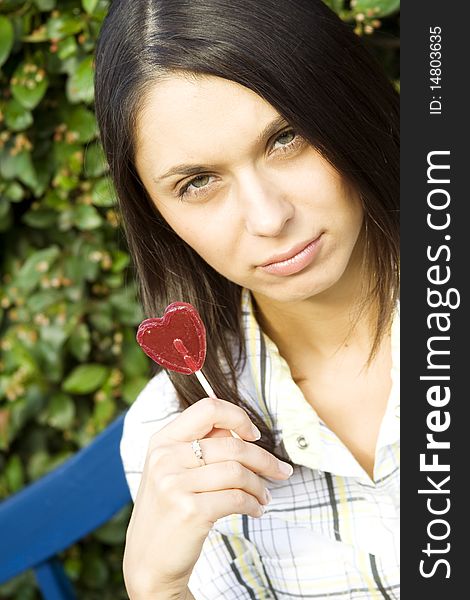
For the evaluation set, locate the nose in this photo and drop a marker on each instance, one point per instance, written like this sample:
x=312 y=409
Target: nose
x=266 y=207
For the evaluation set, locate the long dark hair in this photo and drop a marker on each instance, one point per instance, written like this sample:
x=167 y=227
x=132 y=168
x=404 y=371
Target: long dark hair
x=302 y=59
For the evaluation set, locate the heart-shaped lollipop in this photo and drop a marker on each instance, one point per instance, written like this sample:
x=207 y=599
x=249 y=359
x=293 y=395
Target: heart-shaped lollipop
x=176 y=341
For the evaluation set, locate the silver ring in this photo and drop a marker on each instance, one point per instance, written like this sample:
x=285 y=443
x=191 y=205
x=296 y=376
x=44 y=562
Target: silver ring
x=197 y=450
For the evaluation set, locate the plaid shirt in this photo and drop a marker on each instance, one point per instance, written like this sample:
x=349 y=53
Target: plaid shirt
x=329 y=531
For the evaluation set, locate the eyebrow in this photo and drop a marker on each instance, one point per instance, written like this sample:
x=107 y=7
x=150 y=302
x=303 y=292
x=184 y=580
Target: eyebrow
x=185 y=169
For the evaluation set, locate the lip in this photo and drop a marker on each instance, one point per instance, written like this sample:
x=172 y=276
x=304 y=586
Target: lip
x=294 y=260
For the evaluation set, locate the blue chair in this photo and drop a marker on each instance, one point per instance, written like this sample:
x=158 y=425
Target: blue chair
x=65 y=505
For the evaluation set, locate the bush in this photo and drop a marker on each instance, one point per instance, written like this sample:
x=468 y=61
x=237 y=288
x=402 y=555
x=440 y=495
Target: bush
x=69 y=362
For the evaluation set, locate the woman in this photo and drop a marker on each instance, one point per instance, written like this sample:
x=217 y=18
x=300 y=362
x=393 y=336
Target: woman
x=254 y=150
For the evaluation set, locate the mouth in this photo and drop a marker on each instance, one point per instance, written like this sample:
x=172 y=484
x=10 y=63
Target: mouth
x=293 y=260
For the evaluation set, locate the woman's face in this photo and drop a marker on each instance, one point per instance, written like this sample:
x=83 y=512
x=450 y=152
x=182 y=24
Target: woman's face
x=254 y=199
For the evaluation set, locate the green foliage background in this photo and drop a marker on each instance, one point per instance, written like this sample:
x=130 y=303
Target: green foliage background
x=69 y=363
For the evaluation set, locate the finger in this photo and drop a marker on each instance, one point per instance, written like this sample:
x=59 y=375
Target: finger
x=218 y=433
x=222 y=503
x=199 y=419
x=222 y=433
x=225 y=475
x=220 y=449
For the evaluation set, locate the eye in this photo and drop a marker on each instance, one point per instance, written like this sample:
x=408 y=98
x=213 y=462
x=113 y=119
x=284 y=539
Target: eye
x=186 y=191
x=289 y=140
x=286 y=134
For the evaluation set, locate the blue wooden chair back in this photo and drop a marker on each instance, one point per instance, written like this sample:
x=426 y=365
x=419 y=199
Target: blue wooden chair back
x=65 y=505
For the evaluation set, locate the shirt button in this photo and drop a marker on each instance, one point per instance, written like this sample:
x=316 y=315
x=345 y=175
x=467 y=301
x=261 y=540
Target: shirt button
x=302 y=442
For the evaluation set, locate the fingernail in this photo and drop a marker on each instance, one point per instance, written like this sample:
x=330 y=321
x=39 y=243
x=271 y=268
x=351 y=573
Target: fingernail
x=256 y=432
x=286 y=468
x=268 y=496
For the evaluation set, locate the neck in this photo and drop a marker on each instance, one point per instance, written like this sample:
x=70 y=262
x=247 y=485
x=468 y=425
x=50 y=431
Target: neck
x=321 y=325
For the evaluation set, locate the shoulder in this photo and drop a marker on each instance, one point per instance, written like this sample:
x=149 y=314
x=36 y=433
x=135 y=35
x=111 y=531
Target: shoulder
x=155 y=406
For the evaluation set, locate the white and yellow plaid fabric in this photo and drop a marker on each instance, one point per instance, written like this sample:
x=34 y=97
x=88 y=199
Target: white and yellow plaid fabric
x=329 y=531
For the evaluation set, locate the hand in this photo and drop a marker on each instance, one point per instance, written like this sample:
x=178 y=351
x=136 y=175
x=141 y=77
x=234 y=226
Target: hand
x=179 y=500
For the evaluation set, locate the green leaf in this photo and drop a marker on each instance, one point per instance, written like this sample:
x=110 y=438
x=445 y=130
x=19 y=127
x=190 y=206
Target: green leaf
x=17 y=117
x=26 y=407
x=29 y=84
x=18 y=166
x=135 y=362
x=113 y=280
x=124 y=302
x=89 y=5
x=41 y=218
x=51 y=360
x=86 y=217
x=14 y=474
x=103 y=413
x=120 y=261
x=114 y=531
x=73 y=567
x=95 y=161
x=95 y=571
x=65 y=221
x=37 y=466
x=103 y=193
x=60 y=412
x=62 y=25
x=42 y=463
x=65 y=181
x=79 y=86
x=67 y=47
x=40 y=301
x=53 y=199
x=21 y=587
x=36 y=36
x=101 y=322
x=82 y=122
x=65 y=154
x=8 y=169
x=132 y=388
x=4 y=207
x=53 y=335
x=14 y=192
x=27 y=173
x=85 y=379
x=45 y=5
x=79 y=342
x=79 y=269
x=6 y=215
x=18 y=355
x=35 y=266
x=376 y=8
x=6 y=38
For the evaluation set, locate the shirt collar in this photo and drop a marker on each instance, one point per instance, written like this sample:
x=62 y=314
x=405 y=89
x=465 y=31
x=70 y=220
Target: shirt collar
x=296 y=425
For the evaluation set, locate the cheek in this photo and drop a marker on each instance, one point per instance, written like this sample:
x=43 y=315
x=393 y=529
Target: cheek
x=211 y=239
x=357 y=214
x=349 y=210
x=181 y=219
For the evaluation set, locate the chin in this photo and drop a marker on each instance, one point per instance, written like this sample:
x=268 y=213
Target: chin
x=290 y=290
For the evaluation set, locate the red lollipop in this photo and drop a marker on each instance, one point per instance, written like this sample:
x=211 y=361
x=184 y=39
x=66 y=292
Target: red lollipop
x=176 y=341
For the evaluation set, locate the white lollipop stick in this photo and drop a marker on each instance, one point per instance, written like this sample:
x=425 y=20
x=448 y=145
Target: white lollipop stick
x=210 y=392
x=181 y=348
x=205 y=384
